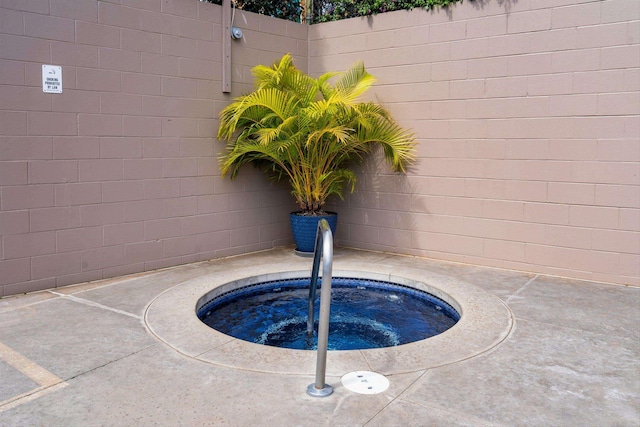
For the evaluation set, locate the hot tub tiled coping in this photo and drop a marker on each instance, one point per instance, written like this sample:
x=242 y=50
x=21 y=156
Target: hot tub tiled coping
x=485 y=322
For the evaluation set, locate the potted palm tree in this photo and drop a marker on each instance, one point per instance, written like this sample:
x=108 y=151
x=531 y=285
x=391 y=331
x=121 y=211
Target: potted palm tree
x=310 y=132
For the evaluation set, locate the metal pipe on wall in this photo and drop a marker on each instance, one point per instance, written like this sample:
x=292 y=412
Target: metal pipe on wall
x=226 y=46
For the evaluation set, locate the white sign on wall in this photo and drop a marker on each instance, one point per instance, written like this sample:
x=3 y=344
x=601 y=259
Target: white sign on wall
x=52 y=79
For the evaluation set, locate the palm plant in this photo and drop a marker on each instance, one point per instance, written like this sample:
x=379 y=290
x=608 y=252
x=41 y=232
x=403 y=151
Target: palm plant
x=309 y=131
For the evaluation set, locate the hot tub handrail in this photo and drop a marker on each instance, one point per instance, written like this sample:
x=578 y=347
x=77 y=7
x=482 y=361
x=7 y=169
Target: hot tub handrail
x=323 y=248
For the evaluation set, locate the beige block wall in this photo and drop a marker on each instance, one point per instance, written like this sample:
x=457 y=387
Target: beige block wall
x=527 y=118
x=118 y=174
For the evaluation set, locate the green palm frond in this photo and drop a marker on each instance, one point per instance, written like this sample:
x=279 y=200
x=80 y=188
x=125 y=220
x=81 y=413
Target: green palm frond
x=397 y=143
x=262 y=75
x=325 y=88
x=354 y=82
x=272 y=76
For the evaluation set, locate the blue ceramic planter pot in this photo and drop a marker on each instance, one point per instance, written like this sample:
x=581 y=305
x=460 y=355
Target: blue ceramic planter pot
x=304 y=228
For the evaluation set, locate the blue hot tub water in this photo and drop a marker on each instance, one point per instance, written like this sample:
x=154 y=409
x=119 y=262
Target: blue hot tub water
x=364 y=314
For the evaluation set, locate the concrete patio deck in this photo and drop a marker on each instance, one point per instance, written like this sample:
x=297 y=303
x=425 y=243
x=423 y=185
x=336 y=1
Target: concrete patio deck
x=564 y=352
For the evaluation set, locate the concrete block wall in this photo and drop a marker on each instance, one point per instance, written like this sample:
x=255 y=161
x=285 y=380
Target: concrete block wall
x=527 y=117
x=526 y=113
x=118 y=173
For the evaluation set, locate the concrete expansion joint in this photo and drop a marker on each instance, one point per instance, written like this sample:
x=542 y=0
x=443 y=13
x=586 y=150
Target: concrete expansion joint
x=521 y=289
x=96 y=368
x=401 y=396
x=30 y=395
x=366 y=360
x=46 y=381
x=95 y=304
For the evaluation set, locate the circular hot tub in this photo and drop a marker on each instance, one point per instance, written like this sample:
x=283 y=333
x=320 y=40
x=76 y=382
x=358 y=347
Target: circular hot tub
x=484 y=320
x=365 y=314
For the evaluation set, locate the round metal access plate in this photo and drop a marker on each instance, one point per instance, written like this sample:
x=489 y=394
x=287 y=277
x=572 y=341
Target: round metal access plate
x=365 y=382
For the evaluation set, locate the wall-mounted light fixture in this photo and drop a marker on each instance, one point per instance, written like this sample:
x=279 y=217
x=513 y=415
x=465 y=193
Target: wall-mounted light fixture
x=236 y=33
